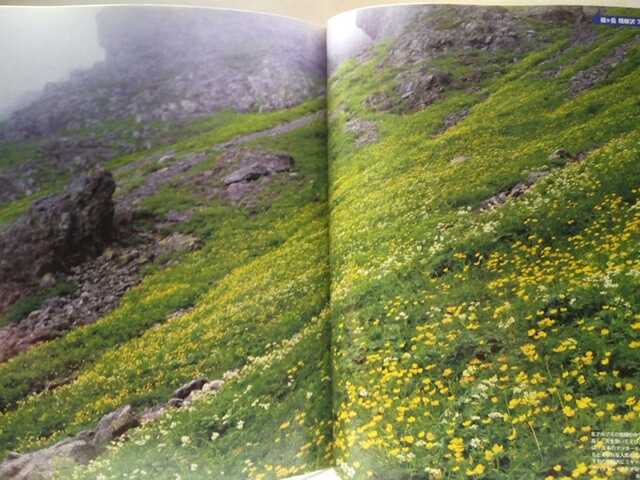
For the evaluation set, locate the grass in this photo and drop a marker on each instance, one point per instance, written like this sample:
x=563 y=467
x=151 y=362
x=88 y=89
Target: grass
x=259 y=283
x=466 y=343
x=487 y=344
x=13 y=154
x=181 y=138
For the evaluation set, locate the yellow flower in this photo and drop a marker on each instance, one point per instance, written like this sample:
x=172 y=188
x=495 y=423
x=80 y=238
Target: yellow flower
x=477 y=470
x=580 y=469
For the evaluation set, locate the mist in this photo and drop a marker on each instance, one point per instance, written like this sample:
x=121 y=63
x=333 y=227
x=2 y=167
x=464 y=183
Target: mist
x=39 y=45
x=344 y=39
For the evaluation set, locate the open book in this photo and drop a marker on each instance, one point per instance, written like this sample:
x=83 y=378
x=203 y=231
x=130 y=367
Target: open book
x=235 y=245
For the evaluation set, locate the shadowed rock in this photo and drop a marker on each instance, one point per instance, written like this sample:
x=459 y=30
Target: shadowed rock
x=184 y=391
x=59 y=231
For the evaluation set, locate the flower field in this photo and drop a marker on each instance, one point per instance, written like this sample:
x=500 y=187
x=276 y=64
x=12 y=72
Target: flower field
x=474 y=342
x=249 y=305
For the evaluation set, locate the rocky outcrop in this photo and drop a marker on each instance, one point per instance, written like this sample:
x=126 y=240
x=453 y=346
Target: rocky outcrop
x=453 y=118
x=176 y=64
x=428 y=37
x=88 y=444
x=259 y=164
x=80 y=449
x=250 y=170
x=101 y=283
x=596 y=74
x=365 y=131
x=59 y=231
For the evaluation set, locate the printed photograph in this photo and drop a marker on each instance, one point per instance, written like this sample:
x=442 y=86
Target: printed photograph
x=484 y=167
x=241 y=246
x=164 y=274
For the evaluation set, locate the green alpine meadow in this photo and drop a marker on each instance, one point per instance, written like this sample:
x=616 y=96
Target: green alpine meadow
x=240 y=246
x=164 y=273
x=485 y=218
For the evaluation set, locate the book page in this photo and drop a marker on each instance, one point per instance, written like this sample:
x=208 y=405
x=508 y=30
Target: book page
x=164 y=272
x=484 y=196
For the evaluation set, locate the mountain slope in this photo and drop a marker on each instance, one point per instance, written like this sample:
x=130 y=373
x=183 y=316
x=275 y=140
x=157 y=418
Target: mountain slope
x=484 y=233
x=213 y=281
x=245 y=305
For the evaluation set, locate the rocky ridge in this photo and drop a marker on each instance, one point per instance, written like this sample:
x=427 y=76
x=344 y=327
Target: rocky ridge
x=172 y=64
x=424 y=36
x=88 y=444
x=163 y=69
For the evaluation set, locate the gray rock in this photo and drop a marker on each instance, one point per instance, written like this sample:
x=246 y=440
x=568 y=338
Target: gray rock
x=166 y=159
x=48 y=280
x=9 y=189
x=516 y=191
x=213 y=386
x=152 y=414
x=175 y=402
x=246 y=174
x=85 y=446
x=177 y=243
x=255 y=164
x=114 y=425
x=184 y=391
x=365 y=131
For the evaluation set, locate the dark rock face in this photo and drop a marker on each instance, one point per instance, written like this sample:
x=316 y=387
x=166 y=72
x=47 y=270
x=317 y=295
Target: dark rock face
x=172 y=64
x=59 y=231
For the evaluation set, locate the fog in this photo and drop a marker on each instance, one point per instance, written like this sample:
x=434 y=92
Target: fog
x=43 y=44
x=344 y=39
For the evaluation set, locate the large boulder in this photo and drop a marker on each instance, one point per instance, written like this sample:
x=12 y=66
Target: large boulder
x=59 y=231
x=42 y=464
